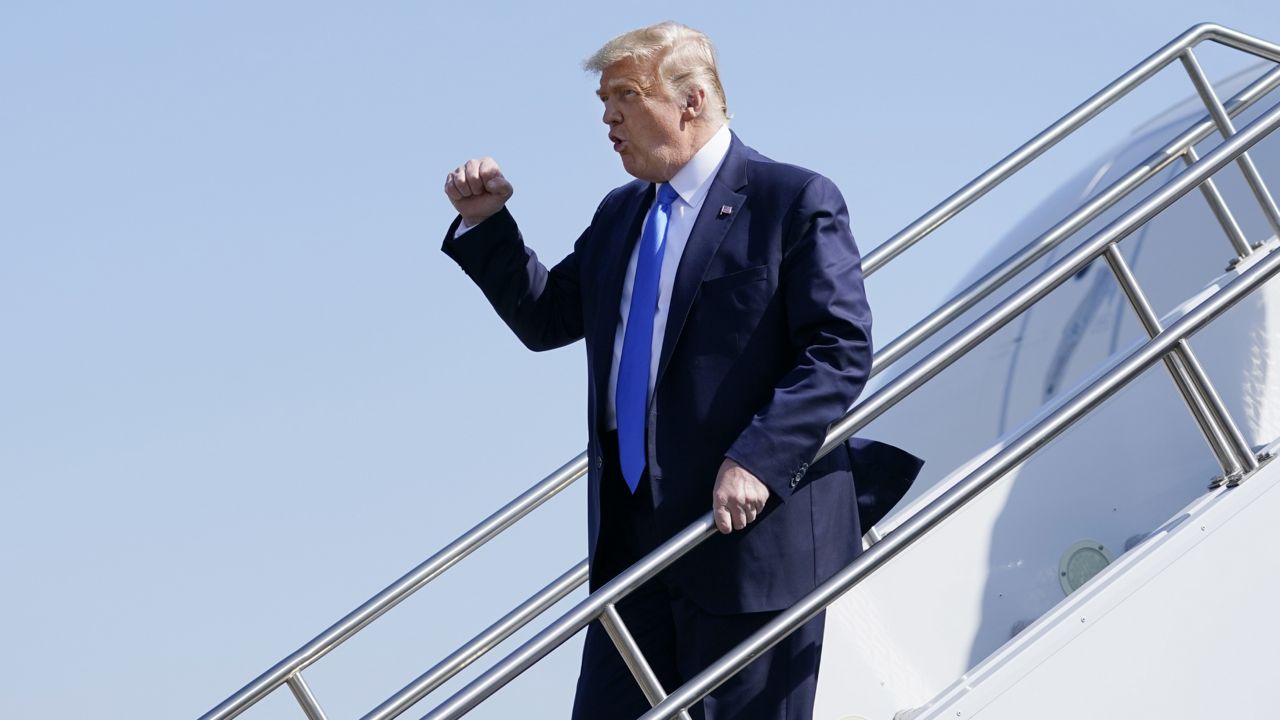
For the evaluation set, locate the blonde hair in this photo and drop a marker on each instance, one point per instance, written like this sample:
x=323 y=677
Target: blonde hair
x=686 y=59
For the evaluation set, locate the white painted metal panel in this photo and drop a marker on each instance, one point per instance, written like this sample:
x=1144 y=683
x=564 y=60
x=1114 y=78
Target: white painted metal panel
x=1183 y=627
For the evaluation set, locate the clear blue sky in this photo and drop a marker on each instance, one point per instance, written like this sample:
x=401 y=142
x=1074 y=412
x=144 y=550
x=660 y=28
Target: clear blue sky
x=241 y=389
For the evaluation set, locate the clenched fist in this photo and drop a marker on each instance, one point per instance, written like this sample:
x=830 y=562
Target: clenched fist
x=738 y=497
x=477 y=190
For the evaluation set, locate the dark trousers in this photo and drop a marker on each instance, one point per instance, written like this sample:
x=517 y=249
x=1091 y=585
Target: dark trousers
x=678 y=638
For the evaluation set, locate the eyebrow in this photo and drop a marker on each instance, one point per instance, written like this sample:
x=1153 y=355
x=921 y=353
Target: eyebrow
x=619 y=83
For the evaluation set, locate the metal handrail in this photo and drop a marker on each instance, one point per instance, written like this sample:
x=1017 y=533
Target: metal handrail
x=1181 y=146
x=288 y=671
x=394 y=593
x=474 y=649
x=1067 y=124
x=866 y=411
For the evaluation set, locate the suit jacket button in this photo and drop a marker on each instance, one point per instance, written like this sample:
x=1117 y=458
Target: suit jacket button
x=795 y=480
x=599 y=462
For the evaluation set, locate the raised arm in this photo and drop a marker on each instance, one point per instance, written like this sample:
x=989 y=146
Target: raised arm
x=542 y=307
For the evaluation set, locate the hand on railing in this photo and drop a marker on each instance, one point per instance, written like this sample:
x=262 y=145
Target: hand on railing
x=737 y=498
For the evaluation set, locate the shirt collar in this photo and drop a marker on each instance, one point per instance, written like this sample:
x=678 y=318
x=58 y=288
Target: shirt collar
x=693 y=181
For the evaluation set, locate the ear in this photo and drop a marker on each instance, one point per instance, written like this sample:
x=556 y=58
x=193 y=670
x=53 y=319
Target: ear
x=695 y=103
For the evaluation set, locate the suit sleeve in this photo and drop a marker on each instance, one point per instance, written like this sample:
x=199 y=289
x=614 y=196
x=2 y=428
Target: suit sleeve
x=829 y=328
x=542 y=307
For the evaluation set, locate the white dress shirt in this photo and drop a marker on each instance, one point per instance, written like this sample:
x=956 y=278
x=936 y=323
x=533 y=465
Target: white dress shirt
x=691 y=183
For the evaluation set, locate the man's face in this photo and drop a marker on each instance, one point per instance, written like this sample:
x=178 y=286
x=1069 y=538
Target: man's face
x=646 y=125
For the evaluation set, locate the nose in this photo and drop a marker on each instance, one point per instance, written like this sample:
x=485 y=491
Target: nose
x=611 y=114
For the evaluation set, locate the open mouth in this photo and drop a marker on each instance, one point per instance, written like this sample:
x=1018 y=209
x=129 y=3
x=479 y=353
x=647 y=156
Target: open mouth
x=617 y=142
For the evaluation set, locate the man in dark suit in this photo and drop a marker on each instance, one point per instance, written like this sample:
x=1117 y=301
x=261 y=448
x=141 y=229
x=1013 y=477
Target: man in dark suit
x=720 y=295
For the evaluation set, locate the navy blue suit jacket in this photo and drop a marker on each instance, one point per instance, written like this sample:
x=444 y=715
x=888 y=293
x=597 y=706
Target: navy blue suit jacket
x=768 y=341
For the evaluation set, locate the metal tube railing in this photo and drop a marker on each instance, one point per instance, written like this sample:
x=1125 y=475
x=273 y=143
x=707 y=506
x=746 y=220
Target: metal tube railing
x=577 y=618
x=1239 y=41
x=1196 y=404
x=634 y=658
x=1224 y=437
x=1218 y=205
x=393 y=594
x=1069 y=123
x=302 y=693
x=473 y=650
x=1250 y=171
x=866 y=411
x=970 y=487
x=994 y=279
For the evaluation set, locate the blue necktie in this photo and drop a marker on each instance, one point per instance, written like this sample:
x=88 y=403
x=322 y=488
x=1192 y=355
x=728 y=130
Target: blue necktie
x=632 y=398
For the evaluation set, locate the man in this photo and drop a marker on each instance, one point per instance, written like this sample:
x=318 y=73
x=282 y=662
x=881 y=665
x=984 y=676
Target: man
x=720 y=295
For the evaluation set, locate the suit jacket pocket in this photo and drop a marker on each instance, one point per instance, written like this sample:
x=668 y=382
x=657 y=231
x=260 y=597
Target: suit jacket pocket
x=735 y=277
x=730 y=305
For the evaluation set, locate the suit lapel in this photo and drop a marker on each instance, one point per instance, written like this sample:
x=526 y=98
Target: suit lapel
x=709 y=231
x=624 y=233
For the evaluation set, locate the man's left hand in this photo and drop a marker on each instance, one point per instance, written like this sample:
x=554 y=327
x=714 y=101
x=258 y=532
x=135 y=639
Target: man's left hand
x=738 y=497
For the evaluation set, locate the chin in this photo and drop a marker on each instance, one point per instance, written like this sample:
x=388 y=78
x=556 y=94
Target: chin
x=630 y=167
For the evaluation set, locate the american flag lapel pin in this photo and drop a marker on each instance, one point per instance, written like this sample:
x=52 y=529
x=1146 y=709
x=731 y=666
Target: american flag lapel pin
x=725 y=210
